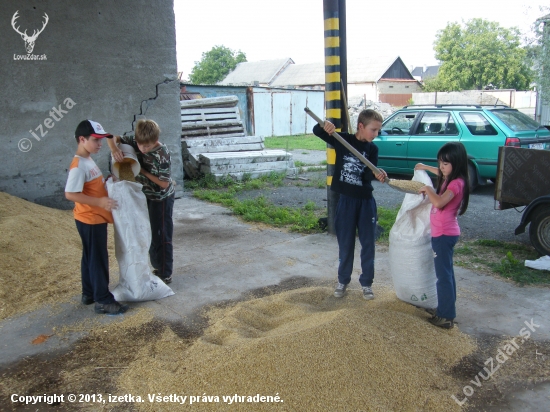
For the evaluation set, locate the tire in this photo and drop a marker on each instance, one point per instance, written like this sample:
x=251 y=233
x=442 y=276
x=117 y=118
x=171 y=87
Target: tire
x=539 y=229
x=472 y=176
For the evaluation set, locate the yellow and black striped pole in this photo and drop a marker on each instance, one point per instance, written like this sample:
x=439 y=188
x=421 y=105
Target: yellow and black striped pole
x=332 y=96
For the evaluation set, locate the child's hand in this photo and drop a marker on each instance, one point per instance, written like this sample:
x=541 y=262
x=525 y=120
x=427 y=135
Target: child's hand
x=381 y=176
x=329 y=127
x=107 y=203
x=425 y=189
x=420 y=166
x=113 y=178
x=118 y=155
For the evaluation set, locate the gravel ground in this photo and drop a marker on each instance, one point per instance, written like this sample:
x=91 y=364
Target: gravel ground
x=481 y=220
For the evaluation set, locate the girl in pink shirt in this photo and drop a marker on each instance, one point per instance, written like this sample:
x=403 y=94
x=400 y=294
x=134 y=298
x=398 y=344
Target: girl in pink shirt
x=449 y=199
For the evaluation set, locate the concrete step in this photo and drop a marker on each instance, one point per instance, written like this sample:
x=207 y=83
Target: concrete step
x=255 y=156
x=247 y=167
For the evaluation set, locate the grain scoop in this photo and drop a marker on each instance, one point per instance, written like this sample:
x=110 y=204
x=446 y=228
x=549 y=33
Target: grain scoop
x=129 y=167
x=407 y=186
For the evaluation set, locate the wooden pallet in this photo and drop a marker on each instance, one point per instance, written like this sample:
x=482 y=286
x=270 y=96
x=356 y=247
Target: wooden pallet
x=205 y=118
x=214 y=142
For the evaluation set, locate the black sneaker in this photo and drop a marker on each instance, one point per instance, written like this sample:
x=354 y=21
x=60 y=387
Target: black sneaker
x=442 y=322
x=165 y=280
x=87 y=300
x=114 y=308
x=431 y=311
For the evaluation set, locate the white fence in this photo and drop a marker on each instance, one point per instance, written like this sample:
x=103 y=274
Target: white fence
x=280 y=112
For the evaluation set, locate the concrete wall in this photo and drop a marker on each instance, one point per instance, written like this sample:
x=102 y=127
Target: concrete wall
x=512 y=98
x=369 y=91
x=109 y=61
x=389 y=87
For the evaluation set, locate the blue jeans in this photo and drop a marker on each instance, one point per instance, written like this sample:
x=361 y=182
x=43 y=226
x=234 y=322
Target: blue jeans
x=355 y=216
x=161 y=251
x=443 y=247
x=94 y=266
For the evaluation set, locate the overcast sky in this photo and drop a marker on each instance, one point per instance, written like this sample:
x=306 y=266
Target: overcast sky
x=266 y=30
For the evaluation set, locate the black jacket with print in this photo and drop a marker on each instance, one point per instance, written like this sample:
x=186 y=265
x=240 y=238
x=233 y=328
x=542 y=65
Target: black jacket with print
x=351 y=177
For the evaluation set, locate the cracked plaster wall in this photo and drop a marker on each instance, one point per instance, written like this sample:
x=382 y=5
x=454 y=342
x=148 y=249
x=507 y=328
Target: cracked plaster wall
x=110 y=61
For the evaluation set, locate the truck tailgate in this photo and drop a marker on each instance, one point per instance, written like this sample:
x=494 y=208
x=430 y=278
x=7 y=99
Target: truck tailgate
x=522 y=176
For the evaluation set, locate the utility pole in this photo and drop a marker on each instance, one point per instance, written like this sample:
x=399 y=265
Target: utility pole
x=334 y=24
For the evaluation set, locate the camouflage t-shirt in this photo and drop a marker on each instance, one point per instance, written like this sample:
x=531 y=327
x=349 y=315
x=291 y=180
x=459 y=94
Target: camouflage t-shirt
x=156 y=162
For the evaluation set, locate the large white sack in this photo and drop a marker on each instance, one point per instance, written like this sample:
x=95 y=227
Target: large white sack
x=411 y=255
x=132 y=240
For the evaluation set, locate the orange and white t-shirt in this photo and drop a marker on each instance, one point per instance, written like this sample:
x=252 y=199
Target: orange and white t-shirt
x=85 y=177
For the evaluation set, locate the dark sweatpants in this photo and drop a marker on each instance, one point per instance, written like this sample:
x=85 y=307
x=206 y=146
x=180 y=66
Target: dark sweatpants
x=162 y=228
x=356 y=215
x=94 y=266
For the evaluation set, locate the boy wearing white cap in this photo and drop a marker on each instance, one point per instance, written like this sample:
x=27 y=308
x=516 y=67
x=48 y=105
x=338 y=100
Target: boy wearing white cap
x=92 y=212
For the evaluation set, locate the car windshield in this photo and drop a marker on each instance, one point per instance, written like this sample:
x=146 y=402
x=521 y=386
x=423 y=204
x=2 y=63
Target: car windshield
x=516 y=120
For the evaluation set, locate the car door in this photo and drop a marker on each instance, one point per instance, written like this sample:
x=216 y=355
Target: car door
x=392 y=141
x=433 y=130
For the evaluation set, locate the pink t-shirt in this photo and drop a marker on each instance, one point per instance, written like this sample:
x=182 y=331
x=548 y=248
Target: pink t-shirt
x=443 y=221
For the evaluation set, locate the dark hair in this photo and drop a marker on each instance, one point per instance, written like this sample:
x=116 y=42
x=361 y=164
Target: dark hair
x=455 y=154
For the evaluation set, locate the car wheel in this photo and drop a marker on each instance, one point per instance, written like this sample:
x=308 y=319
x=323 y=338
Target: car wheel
x=472 y=176
x=539 y=230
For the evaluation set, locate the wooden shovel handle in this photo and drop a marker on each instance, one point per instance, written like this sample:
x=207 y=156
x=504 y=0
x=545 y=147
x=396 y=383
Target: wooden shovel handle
x=352 y=149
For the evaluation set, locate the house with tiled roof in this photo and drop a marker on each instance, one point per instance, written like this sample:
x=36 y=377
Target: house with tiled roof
x=260 y=73
x=422 y=73
x=384 y=79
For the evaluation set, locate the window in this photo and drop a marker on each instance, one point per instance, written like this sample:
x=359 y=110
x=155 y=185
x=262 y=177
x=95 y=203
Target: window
x=433 y=123
x=477 y=124
x=401 y=123
x=516 y=121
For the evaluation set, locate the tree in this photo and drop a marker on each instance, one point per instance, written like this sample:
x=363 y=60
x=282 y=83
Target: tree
x=215 y=65
x=480 y=54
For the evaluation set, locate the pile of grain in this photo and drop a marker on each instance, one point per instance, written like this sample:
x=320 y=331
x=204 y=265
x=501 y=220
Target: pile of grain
x=40 y=252
x=316 y=352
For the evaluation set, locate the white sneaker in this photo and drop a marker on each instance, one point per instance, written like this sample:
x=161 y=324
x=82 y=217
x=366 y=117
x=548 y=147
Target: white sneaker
x=340 y=290
x=367 y=293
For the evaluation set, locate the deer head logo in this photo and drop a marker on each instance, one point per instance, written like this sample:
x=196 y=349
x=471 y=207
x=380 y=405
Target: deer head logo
x=29 y=40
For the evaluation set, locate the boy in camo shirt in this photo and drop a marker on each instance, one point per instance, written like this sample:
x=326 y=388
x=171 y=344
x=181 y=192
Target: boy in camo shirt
x=154 y=159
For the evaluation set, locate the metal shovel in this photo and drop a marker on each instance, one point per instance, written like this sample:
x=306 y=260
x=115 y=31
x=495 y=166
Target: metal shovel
x=401 y=185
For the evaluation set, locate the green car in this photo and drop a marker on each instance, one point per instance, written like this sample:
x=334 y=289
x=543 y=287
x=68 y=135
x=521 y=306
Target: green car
x=415 y=133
